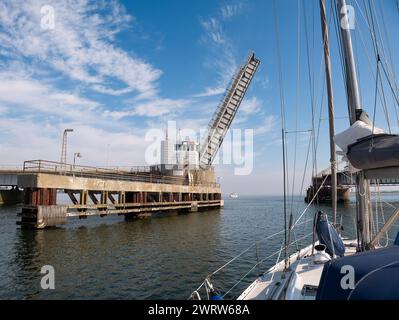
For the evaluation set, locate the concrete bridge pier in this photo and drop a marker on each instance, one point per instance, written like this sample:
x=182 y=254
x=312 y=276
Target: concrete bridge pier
x=118 y=194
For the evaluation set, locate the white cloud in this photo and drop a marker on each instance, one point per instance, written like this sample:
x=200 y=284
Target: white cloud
x=81 y=44
x=34 y=96
x=210 y=92
x=250 y=106
x=222 y=59
x=159 y=107
x=151 y=108
x=213 y=31
x=231 y=10
x=24 y=139
x=110 y=91
x=266 y=126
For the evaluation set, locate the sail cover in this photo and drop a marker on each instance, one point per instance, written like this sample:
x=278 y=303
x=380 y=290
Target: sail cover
x=368 y=148
x=378 y=151
x=356 y=131
x=375 y=276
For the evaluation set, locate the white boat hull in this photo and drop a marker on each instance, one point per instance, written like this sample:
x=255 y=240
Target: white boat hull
x=300 y=282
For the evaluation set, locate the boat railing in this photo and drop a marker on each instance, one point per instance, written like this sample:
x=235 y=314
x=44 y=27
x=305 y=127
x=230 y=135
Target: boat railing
x=135 y=174
x=206 y=287
x=256 y=266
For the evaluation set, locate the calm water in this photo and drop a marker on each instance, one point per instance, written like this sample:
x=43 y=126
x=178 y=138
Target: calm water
x=158 y=258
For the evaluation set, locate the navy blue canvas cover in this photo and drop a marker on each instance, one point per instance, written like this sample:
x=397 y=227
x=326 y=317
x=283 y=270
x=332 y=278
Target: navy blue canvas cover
x=376 y=275
x=378 y=151
x=323 y=231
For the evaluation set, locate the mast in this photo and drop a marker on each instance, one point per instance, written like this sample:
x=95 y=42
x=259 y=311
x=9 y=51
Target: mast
x=327 y=61
x=362 y=185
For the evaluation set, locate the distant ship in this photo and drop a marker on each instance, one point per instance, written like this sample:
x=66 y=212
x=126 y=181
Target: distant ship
x=233 y=195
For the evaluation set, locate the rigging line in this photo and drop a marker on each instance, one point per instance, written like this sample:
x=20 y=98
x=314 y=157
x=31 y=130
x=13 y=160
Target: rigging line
x=370 y=27
x=374 y=36
x=385 y=108
x=282 y=109
x=371 y=68
x=305 y=172
x=310 y=88
x=391 y=63
x=341 y=54
x=392 y=89
x=379 y=201
x=321 y=73
x=306 y=165
x=357 y=63
x=385 y=56
x=373 y=41
x=314 y=197
x=297 y=103
x=244 y=251
x=321 y=69
x=320 y=114
x=389 y=59
x=246 y=274
x=375 y=102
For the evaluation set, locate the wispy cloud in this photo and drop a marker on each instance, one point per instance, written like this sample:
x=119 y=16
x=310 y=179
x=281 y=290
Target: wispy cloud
x=89 y=140
x=216 y=39
x=110 y=91
x=211 y=91
x=251 y=106
x=214 y=32
x=152 y=108
x=266 y=126
x=230 y=10
x=80 y=45
x=31 y=96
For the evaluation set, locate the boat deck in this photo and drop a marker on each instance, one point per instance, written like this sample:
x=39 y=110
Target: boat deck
x=298 y=283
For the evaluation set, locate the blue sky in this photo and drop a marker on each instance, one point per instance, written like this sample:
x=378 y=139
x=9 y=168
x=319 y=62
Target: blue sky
x=112 y=70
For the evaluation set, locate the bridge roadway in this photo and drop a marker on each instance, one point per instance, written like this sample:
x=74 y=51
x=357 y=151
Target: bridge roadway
x=383 y=177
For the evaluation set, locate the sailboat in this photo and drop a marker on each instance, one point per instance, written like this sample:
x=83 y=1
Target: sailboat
x=333 y=267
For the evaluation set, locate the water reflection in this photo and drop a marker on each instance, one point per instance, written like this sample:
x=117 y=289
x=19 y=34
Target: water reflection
x=140 y=259
x=165 y=258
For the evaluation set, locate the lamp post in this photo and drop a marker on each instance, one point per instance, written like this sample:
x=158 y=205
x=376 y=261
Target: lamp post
x=76 y=155
x=64 y=146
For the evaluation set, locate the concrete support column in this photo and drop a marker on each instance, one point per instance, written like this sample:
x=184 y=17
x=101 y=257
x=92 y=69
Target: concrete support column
x=144 y=199
x=121 y=197
x=40 y=196
x=83 y=197
x=104 y=197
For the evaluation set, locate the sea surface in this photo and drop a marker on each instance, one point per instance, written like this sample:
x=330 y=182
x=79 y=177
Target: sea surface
x=154 y=258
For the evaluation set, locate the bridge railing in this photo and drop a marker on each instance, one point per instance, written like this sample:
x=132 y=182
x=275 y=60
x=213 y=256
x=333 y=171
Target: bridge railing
x=139 y=174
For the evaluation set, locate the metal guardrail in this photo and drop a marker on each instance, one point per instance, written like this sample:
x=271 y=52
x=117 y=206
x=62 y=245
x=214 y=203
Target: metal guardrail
x=255 y=263
x=137 y=174
x=10 y=168
x=347 y=179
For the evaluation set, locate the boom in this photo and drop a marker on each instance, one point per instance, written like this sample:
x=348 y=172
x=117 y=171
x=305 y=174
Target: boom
x=226 y=111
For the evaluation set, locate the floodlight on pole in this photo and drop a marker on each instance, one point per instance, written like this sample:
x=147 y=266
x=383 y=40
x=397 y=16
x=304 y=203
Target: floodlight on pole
x=76 y=155
x=64 y=146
